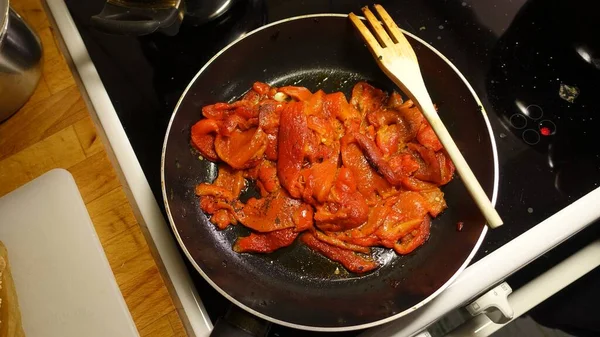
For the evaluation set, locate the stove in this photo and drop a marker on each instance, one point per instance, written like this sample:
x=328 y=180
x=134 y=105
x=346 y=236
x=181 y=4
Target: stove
x=534 y=64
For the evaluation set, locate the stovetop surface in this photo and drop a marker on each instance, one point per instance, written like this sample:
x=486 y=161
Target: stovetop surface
x=534 y=64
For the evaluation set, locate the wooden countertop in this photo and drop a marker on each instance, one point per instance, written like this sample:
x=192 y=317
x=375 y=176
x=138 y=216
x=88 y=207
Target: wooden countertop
x=54 y=130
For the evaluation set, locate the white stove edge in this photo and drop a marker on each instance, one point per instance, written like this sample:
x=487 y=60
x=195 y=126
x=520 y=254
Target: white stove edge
x=472 y=281
x=178 y=279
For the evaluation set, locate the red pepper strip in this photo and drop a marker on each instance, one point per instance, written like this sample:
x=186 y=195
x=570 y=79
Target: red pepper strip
x=274 y=212
x=339 y=243
x=446 y=166
x=428 y=138
x=293 y=136
x=376 y=159
x=349 y=259
x=430 y=171
x=298 y=93
x=265 y=242
x=414 y=240
x=205 y=189
x=435 y=201
x=243 y=149
x=261 y=88
x=203 y=137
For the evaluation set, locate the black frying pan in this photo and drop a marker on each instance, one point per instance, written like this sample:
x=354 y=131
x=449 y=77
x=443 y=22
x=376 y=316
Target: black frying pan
x=293 y=286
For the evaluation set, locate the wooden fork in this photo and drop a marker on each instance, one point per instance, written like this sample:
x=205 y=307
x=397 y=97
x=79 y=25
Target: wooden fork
x=397 y=59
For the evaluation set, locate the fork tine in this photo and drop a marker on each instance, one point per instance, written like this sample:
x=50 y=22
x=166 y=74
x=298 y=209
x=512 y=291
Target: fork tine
x=366 y=34
x=389 y=23
x=380 y=32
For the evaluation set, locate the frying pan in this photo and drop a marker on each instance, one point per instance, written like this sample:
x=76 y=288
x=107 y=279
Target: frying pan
x=294 y=286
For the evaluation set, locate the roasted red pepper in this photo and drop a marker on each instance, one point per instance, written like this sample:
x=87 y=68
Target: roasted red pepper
x=350 y=174
x=350 y=260
x=265 y=242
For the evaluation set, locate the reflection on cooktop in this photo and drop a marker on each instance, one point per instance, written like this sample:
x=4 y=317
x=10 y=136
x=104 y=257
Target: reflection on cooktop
x=171 y=57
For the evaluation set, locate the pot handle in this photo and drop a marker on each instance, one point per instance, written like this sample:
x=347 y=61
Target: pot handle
x=134 y=21
x=239 y=323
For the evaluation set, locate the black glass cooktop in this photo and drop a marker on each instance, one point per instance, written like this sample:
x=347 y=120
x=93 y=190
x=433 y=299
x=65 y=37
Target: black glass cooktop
x=534 y=64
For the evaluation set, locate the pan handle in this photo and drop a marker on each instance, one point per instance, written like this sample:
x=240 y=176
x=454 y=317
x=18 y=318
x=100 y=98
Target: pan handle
x=239 y=323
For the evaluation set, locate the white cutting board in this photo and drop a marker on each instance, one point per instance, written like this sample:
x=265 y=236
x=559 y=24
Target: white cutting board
x=64 y=283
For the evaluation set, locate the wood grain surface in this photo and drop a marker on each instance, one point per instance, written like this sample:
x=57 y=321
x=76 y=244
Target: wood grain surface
x=54 y=129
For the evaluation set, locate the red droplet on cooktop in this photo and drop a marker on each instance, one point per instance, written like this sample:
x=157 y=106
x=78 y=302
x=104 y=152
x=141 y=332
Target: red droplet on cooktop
x=545 y=131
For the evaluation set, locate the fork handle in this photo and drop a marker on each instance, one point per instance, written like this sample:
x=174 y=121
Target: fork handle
x=477 y=193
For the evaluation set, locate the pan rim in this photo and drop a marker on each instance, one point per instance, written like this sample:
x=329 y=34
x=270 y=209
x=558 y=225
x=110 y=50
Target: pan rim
x=320 y=328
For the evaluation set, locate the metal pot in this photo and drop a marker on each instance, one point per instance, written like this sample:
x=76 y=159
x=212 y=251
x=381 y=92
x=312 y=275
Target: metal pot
x=142 y=17
x=20 y=61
